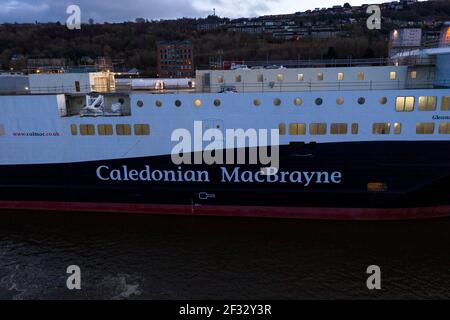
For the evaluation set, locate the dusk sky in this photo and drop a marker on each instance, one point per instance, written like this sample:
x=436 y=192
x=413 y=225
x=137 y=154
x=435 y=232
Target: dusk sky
x=122 y=10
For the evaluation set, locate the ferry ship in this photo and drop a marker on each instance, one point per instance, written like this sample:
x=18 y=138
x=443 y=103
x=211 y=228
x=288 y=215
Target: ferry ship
x=359 y=139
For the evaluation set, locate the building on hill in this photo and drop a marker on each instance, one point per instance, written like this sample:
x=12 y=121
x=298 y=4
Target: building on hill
x=175 y=59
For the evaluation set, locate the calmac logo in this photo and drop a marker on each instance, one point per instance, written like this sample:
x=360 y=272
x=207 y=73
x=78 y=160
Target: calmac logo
x=227 y=175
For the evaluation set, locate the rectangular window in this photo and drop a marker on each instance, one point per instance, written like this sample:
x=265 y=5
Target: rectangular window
x=413 y=75
x=355 y=128
x=360 y=76
x=445 y=103
x=282 y=129
x=220 y=79
x=87 y=129
x=141 y=129
x=280 y=77
x=74 y=129
x=393 y=75
x=2 y=130
x=320 y=76
x=382 y=128
x=397 y=128
x=238 y=78
x=427 y=103
x=300 y=77
x=425 y=128
x=339 y=128
x=318 y=129
x=105 y=129
x=77 y=86
x=297 y=129
x=404 y=104
x=123 y=129
x=444 y=128
x=260 y=78
x=340 y=76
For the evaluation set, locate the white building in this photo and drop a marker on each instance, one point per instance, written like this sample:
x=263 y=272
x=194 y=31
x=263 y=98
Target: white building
x=71 y=82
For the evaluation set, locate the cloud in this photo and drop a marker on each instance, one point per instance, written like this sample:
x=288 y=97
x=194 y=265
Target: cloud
x=99 y=10
x=126 y=10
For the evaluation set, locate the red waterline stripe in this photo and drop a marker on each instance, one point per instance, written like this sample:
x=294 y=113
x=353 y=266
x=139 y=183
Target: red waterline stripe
x=235 y=211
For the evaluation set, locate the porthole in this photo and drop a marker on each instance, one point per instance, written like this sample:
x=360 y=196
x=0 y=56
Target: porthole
x=140 y=103
x=217 y=103
x=319 y=101
x=277 y=102
x=361 y=101
x=198 y=103
x=158 y=103
x=340 y=101
x=383 y=100
x=121 y=101
x=177 y=103
x=257 y=102
x=298 y=101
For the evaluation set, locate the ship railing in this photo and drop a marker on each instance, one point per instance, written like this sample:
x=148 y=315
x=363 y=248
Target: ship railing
x=282 y=86
x=302 y=63
x=244 y=87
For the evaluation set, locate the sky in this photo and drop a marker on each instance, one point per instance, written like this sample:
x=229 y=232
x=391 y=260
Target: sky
x=128 y=10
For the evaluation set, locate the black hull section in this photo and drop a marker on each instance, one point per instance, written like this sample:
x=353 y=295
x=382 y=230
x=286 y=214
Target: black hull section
x=416 y=174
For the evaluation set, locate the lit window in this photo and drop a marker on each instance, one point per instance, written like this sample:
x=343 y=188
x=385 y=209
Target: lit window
x=383 y=100
x=123 y=130
x=397 y=128
x=340 y=101
x=403 y=104
x=280 y=77
x=158 y=103
x=427 y=103
x=141 y=129
x=73 y=129
x=360 y=76
x=300 y=77
x=318 y=129
x=217 y=103
x=277 y=102
x=393 y=75
x=320 y=76
x=445 y=103
x=413 y=75
x=355 y=128
x=260 y=78
x=381 y=128
x=198 y=103
x=282 y=129
x=425 y=128
x=339 y=128
x=238 y=78
x=297 y=129
x=87 y=129
x=257 y=102
x=220 y=79
x=77 y=86
x=444 y=128
x=105 y=129
x=340 y=76
x=298 y=101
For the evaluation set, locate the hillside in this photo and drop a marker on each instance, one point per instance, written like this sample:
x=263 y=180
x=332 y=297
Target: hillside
x=135 y=43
